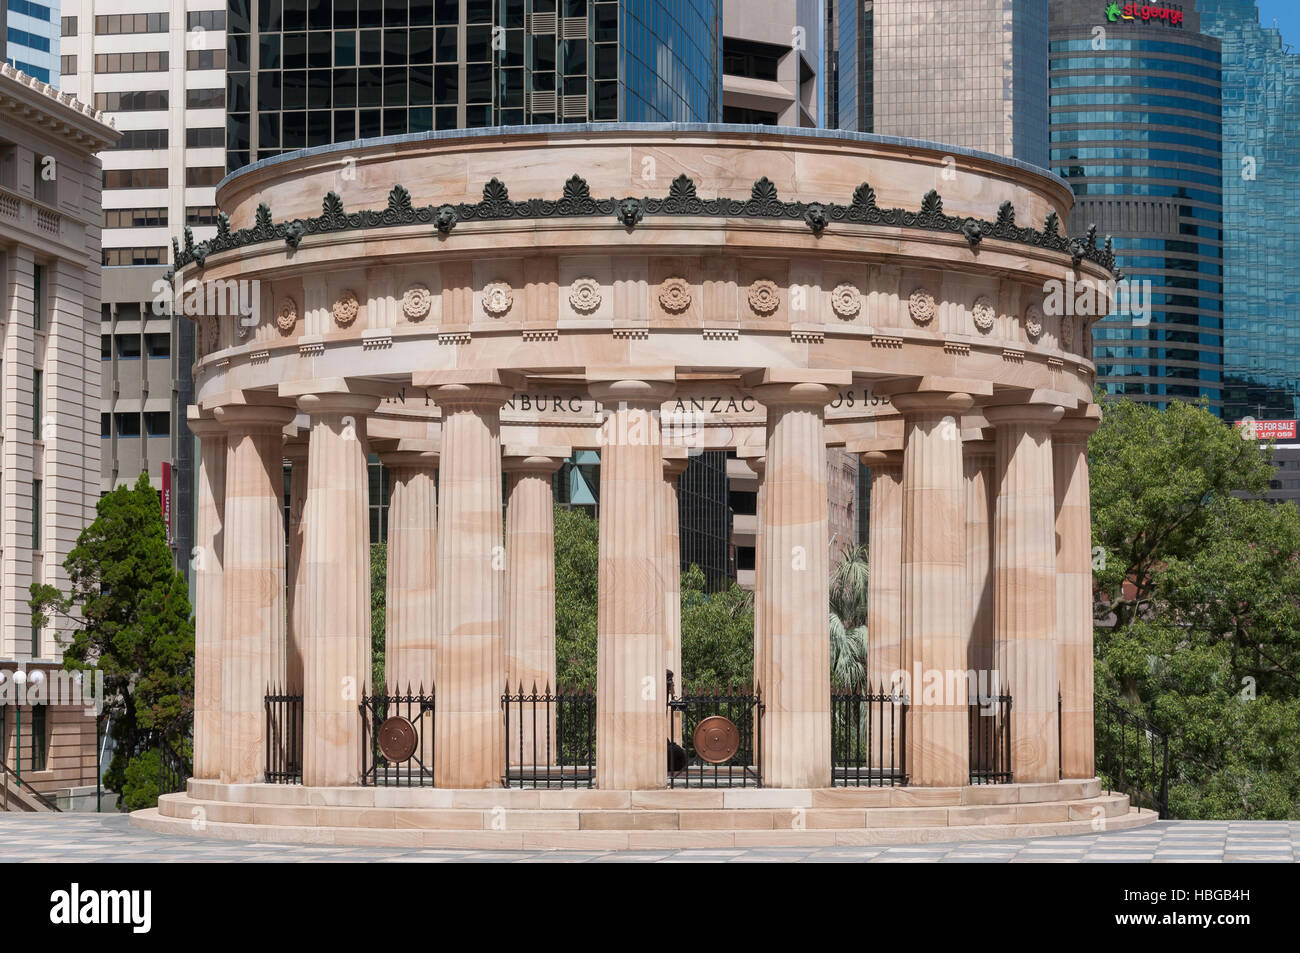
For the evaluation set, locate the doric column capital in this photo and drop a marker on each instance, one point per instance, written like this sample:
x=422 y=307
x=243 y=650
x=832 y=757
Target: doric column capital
x=295 y=451
x=797 y=387
x=203 y=425
x=1079 y=424
x=337 y=403
x=979 y=447
x=416 y=459
x=676 y=459
x=1030 y=414
x=932 y=402
x=882 y=458
x=543 y=460
x=254 y=418
x=469 y=388
x=635 y=387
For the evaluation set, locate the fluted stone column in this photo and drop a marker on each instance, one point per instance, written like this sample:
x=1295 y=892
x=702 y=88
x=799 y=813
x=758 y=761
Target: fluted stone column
x=209 y=599
x=1024 y=578
x=296 y=454
x=469 y=647
x=631 y=702
x=530 y=596
x=336 y=563
x=252 y=582
x=935 y=610
x=411 y=596
x=1074 y=590
x=675 y=463
x=979 y=457
x=885 y=564
x=791 y=649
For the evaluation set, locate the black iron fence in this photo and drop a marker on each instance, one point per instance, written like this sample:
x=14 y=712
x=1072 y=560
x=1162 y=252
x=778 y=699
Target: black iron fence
x=397 y=739
x=550 y=738
x=868 y=738
x=1132 y=757
x=689 y=727
x=173 y=769
x=989 y=735
x=283 y=738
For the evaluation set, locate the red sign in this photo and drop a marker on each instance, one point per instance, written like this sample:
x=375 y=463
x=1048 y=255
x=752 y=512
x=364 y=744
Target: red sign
x=165 y=498
x=1266 y=429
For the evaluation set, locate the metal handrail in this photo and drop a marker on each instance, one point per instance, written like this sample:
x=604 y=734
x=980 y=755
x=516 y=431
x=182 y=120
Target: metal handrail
x=6 y=771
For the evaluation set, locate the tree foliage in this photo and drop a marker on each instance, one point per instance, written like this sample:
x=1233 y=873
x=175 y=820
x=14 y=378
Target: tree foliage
x=128 y=612
x=848 y=620
x=717 y=634
x=576 y=557
x=1198 y=593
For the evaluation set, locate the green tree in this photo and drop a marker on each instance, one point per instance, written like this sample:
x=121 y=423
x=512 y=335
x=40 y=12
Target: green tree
x=379 y=618
x=128 y=612
x=576 y=583
x=717 y=634
x=848 y=620
x=1198 y=596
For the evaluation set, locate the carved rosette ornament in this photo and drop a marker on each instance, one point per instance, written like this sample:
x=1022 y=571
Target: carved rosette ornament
x=1067 y=333
x=675 y=295
x=346 y=308
x=921 y=306
x=286 y=316
x=846 y=301
x=983 y=314
x=584 y=295
x=497 y=298
x=1033 y=322
x=764 y=296
x=416 y=302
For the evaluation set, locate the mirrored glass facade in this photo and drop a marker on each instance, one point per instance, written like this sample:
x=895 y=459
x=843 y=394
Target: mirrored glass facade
x=1135 y=129
x=30 y=37
x=1261 y=213
x=305 y=73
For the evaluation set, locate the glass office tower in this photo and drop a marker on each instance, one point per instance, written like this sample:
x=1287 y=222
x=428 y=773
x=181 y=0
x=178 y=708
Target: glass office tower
x=30 y=40
x=1261 y=213
x=1136 y=130
x=306 y=73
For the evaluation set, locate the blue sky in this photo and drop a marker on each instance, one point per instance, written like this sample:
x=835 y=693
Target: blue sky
x=1287 y=14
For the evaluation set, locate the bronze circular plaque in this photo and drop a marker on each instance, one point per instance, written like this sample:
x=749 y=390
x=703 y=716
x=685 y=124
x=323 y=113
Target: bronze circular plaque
x=397 y=739
x=716 y=739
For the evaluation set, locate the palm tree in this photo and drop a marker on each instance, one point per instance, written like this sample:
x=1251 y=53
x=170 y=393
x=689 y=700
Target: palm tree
x=848 y=620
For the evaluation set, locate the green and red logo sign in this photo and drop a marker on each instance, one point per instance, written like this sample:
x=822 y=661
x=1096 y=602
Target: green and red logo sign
x=1144 y=12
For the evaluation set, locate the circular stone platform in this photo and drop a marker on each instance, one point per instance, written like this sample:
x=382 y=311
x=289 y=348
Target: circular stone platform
x=612 y=820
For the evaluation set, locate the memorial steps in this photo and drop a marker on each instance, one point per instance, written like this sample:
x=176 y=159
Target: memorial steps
x=666 y=819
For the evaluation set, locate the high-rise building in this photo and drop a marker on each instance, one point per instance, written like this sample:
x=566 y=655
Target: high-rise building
x=1136 y=130
x=307 y=74
x=157 y=67
x=972 y=73
x=49 y=378
x=29 y=38
x=773 y=69
x=1261 y=213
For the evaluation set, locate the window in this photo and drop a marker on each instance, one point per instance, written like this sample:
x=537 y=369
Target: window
x=128 y=425
x=135 y=217
x=38 y=380
x=205 y=98
x=38 y=297
x=8 y=164
x=130 y=23
x=69 y=26
x=148 y=62
x=135 y=179
x=206 y=20
x=68 y=64
x=106 y=346
x=159 y=345
x=201 y=215
x=44 y=184
x=138 y=100
x=157 y=423
x=142 y=139
x=36 y=515
x=106 y=425
x=213 y=137
x=204 y=176
x=205 y=59
x=128 y=347
x=753 y=60
x=40 y=729
x=117 y=257
x=37 y=11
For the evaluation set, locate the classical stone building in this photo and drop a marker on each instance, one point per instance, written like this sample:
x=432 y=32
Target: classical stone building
x=49 y=385
x=661 y=288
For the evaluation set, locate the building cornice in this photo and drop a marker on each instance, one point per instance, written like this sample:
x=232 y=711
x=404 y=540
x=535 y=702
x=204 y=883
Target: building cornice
x=28 y=101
